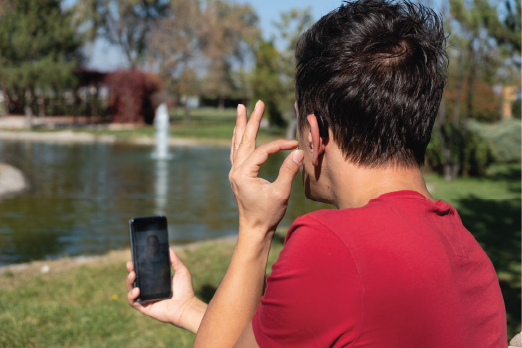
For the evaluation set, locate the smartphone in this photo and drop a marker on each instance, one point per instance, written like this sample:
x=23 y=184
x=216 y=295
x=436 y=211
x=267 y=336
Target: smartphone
x=149 y=240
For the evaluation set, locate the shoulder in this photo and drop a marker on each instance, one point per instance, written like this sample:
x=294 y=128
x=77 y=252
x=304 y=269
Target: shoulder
x=314 y=284
x=309 y=227
x=339 y=221
x=313 y=244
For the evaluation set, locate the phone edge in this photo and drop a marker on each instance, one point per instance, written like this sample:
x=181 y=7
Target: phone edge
x=131 y=237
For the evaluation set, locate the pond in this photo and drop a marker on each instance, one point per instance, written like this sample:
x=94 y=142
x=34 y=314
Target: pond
x=83 y=195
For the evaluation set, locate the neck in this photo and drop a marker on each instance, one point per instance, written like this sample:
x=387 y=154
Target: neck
x=354 y=186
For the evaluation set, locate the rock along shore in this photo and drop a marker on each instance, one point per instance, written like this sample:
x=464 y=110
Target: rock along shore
x=12 y=180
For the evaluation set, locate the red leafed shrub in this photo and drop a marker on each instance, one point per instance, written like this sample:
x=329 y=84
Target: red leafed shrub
x=131 y=95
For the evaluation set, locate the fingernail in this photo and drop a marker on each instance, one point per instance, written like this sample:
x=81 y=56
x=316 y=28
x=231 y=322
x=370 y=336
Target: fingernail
x=135 y=290
x=234 y=132
x=257 y=104
x=238 y=109
x=298 y=156
x=129 y=276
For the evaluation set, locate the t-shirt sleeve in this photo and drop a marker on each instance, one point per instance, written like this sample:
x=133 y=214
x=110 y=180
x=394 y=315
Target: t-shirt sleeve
x=313 y=296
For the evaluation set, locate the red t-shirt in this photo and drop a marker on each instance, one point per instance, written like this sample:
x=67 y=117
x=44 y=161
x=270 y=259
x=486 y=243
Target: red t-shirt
x=399 y=272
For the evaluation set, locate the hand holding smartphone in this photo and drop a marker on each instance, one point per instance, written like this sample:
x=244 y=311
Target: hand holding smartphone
x=149 y=241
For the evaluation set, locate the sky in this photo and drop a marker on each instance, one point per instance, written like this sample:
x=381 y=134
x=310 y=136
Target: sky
x=105 y=57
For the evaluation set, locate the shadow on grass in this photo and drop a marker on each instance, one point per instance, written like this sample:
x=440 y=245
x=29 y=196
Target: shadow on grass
x=504 y=172
x=495 y=224
x=206 y=292
x=507 y=173
x=279 y=238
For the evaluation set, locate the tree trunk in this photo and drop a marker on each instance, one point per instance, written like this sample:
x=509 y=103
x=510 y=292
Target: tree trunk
x=94 y=103
x=4 y=107
x=75 y=103
x=460 y=87
x=221 y=104
x=447 y=142
x=445 y=145
x=186 y=115
x=472 y=78
x=27 y=110
x=41 y=107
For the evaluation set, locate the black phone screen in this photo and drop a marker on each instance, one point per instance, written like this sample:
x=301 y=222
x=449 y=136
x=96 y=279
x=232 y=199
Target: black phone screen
x=150 y=253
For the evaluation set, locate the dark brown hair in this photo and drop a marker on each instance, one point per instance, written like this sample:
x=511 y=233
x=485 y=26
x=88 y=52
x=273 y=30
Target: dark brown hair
x=373 y=72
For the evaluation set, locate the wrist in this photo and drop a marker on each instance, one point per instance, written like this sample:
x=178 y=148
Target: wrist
x=254 y=242
x=192 y=315
x=256 y=231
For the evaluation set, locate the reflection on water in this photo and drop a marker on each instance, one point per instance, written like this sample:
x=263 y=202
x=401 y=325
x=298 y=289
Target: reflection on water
x=162 y=186
x=82 y=197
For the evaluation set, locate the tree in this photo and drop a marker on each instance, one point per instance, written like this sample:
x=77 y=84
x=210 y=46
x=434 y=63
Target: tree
x=38 y=49
x=211 y=41
x=480 y=38
x=291 y=25
x=274 y=75
x=266 y=81
x=125 y=23
x=132 y=95
x=511 y=27
x=228 y=33
x=174 y=46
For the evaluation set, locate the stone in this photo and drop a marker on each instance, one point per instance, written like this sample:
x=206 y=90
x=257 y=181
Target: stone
x=12 y=180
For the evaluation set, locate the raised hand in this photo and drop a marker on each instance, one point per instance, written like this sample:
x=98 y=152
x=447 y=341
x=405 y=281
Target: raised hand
x=183 y=309
x=261 y=204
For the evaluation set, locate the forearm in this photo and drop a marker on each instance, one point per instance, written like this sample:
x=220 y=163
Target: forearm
x=237 y=297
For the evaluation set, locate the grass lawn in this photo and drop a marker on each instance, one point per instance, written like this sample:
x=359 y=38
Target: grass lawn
x=200 y=128
x=205 y=124
x=83 y=305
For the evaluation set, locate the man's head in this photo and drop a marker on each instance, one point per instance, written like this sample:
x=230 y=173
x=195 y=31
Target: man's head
x=372 y=72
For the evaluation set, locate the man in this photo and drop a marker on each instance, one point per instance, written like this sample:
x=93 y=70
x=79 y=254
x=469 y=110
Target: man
x=392 y=267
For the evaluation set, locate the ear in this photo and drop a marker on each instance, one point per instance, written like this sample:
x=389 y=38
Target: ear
x=317 y=144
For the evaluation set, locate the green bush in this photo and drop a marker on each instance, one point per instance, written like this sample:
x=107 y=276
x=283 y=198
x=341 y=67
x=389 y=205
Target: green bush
x=474 y=151
x=504 y=138
x=516 y=109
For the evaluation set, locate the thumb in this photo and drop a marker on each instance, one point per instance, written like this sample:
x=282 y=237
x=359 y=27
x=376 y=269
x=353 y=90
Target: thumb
x=289 y=169
x=176 y=263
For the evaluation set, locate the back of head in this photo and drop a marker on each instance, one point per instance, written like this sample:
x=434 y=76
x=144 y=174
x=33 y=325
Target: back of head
x=373 y=72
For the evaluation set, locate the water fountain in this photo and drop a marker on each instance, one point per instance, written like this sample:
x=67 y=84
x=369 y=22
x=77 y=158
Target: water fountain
x=161 y=186
x=161 y=122
x=161 y=154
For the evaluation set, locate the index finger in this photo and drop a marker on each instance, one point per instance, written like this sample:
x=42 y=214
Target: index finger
x=260 y=155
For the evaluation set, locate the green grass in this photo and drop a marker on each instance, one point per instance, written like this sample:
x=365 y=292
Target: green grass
x=205 y=112
x=206 y=124
x=76 y=308
x=502 y=181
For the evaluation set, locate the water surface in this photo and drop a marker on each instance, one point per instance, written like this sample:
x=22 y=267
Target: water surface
x=82 y=197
